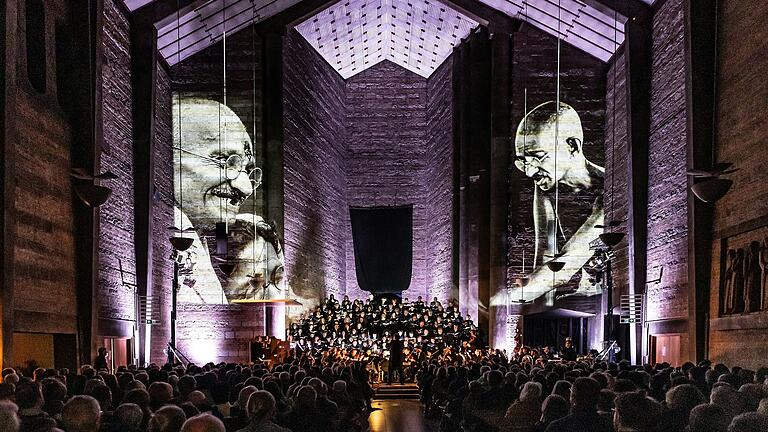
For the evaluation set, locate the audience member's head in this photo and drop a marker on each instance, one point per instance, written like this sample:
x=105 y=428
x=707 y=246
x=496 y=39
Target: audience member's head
x=28 y=395
x=103 y=396
x=762 y=408
x=707 y=418
x=160 y=394
x=684 y=397
x=203 y=423
x=749 y=422
x=728 y=399
x=635 y=412
x=12 y=379
x=169 y=418
x=553 y=408
x=9 y=420
x=129 y=417
x=81 y=414
x=531 y=390
x=306 y=397
x=585 y=394
x=261 y=406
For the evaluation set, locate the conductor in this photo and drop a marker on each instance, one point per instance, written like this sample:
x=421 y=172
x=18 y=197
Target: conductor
x=396 y=359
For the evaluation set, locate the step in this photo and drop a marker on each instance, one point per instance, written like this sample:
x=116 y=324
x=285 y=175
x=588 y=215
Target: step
x=398 y=389
x=389 y=396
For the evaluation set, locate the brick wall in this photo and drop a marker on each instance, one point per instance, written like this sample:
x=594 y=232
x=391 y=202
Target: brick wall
x=667 y=208
x=741 y=137
x=44 y=247
x=162 y=213
x=387 y=157
x=616 y=196
x=438 y=179
x=218 y=333
x=114 y=300
x=316 y=215
x=382 y=138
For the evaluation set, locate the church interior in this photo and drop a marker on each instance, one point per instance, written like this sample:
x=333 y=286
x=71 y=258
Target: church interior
x=384 y=215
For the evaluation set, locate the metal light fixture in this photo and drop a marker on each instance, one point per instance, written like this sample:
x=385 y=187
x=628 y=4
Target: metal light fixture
x=92 y=195
x=227 y=267
x=181 y=243
x=85 y=187
x=611 y=239
x=711 y=190
x=555 y=266
x=714 y=187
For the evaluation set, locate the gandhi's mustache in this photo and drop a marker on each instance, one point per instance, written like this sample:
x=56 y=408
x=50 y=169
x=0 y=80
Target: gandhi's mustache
x=225 y=190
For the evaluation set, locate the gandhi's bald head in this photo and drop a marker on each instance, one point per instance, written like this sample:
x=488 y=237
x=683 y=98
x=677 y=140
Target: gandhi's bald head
x=535 y=148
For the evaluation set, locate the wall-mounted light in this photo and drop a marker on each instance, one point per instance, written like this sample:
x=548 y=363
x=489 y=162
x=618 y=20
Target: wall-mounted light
x=711 y=190
x=714 y=187
x=90 y=193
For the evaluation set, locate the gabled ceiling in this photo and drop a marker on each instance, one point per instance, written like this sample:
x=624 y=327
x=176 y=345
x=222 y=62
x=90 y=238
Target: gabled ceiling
x=354 y=35
x=595 y=30
x=204 y=23
x=419 y=41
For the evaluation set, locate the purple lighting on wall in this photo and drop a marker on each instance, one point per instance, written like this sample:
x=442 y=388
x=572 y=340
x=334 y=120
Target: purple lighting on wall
x=354 y=35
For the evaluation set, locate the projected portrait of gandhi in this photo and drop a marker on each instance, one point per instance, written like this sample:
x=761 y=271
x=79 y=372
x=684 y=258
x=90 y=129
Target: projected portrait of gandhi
x=579 y=188
x=214 y=177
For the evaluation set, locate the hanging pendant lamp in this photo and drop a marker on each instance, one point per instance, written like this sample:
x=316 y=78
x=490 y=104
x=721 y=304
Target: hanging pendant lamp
x=554 y=265
x=179 y=242
x=613 y=238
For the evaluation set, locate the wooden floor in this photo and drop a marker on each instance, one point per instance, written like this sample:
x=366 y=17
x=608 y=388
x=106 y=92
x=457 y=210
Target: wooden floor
x=399 y=416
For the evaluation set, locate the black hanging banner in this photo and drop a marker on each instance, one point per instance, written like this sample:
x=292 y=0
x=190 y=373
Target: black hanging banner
x=383 y=244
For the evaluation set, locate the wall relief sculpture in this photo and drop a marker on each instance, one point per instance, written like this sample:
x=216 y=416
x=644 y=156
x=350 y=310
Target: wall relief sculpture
x=744 y=273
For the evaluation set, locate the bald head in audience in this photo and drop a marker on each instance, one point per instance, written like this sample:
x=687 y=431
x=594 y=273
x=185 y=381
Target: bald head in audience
x=203 y=423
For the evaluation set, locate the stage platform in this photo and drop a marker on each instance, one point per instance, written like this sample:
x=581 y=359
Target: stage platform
x=268 y=302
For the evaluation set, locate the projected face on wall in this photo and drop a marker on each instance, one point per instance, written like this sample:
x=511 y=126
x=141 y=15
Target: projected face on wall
x=214 y=180
x=537 y=155
x=567 y=196
x=215 y=157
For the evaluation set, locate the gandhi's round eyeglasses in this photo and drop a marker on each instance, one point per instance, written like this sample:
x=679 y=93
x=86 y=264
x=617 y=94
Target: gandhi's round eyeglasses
x=232 y=166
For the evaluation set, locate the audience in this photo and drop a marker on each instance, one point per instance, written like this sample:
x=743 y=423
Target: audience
x=326 y=387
